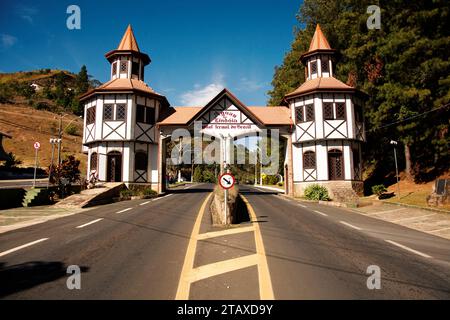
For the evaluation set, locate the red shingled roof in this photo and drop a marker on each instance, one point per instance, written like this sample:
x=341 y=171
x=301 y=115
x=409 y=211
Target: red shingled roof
x=318 y=84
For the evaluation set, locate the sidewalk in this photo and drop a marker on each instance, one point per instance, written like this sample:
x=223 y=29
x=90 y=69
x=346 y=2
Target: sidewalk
x=16 y=218
x=432 y=222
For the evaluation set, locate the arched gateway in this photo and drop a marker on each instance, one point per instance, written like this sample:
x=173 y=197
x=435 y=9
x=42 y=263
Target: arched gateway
x=126 y=123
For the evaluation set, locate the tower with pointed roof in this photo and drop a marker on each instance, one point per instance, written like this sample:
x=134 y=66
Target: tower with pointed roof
x=328 y=126
x=120 y=116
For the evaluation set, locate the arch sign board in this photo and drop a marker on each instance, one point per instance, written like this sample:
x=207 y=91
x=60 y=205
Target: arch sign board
x=226 y=181
x=229 y=120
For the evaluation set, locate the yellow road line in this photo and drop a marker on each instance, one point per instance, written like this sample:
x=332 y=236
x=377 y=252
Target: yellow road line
x=227 y=232
x=184 y=284
x=265 y=282
x=214 y=269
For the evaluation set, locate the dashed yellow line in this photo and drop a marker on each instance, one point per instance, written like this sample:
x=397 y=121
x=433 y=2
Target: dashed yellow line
x=227 y=232
x=214 y=269
x=184 y=284
x=265 y=282
x=189 y=274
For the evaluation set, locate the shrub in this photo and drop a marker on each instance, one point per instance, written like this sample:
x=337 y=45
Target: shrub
x=208 y=176
x=149 y=192
x=41 y=106
x=198 y=174
x=72 y=130
x=126 y=194
x=12 y=161
x=65 y=174
x=379 y=189
x=316 y=192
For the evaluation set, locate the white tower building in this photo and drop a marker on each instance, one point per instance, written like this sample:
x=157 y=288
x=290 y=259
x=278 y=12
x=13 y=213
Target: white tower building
x=120 y=117
x=328 y=126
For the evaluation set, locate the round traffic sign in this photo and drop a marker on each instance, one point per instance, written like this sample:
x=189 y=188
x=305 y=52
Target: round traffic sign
x=37 y=145
x=226 y=181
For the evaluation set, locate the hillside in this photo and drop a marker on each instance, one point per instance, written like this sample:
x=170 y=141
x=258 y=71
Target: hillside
x=27 y=125
x=31 y=103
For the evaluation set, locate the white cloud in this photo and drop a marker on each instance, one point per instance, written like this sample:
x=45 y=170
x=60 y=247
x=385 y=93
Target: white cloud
x=250 y=85
x=200 y=96
x=7 y=40
x=26 y=12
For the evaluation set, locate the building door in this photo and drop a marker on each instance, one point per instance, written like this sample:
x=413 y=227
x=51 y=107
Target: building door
x=114 y=167
x=335 y=165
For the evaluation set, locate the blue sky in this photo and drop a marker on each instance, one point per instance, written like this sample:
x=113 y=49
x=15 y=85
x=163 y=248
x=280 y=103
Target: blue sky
x=197 y=47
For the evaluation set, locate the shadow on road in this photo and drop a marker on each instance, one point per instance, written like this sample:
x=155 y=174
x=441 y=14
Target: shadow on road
x=24 y=276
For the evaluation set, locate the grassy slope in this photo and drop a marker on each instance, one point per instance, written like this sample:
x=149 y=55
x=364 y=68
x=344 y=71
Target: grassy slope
x=27 y=125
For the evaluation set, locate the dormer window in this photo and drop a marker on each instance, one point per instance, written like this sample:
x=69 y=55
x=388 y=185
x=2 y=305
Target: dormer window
x=114 y=69
x=313 y=67
x=324 y=65
x=135 y=68
x=124 y=67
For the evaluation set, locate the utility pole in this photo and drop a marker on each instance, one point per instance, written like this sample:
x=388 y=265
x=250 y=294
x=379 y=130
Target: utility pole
x=59 y=139
x=394 y=143
x=256 y=166
x=52 y=142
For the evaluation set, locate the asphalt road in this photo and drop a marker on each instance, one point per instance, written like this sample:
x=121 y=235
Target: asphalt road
x=138 y=250
x=321 y=252
x=25 y=183
x=133 y=254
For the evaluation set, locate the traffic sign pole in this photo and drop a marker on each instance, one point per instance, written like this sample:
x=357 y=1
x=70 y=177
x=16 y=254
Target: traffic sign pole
x=35 y=167
x=36 y=146
x=226 y=181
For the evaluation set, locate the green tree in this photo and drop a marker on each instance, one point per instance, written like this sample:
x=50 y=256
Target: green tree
x=198 y=176
x=403 y=67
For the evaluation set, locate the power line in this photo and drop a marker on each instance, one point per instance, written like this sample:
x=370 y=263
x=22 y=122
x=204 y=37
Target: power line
x=410 y=118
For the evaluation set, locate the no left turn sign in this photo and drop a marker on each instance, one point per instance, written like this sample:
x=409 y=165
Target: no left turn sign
x=226 y=181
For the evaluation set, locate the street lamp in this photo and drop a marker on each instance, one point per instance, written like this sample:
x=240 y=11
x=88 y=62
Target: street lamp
x=394 y=143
